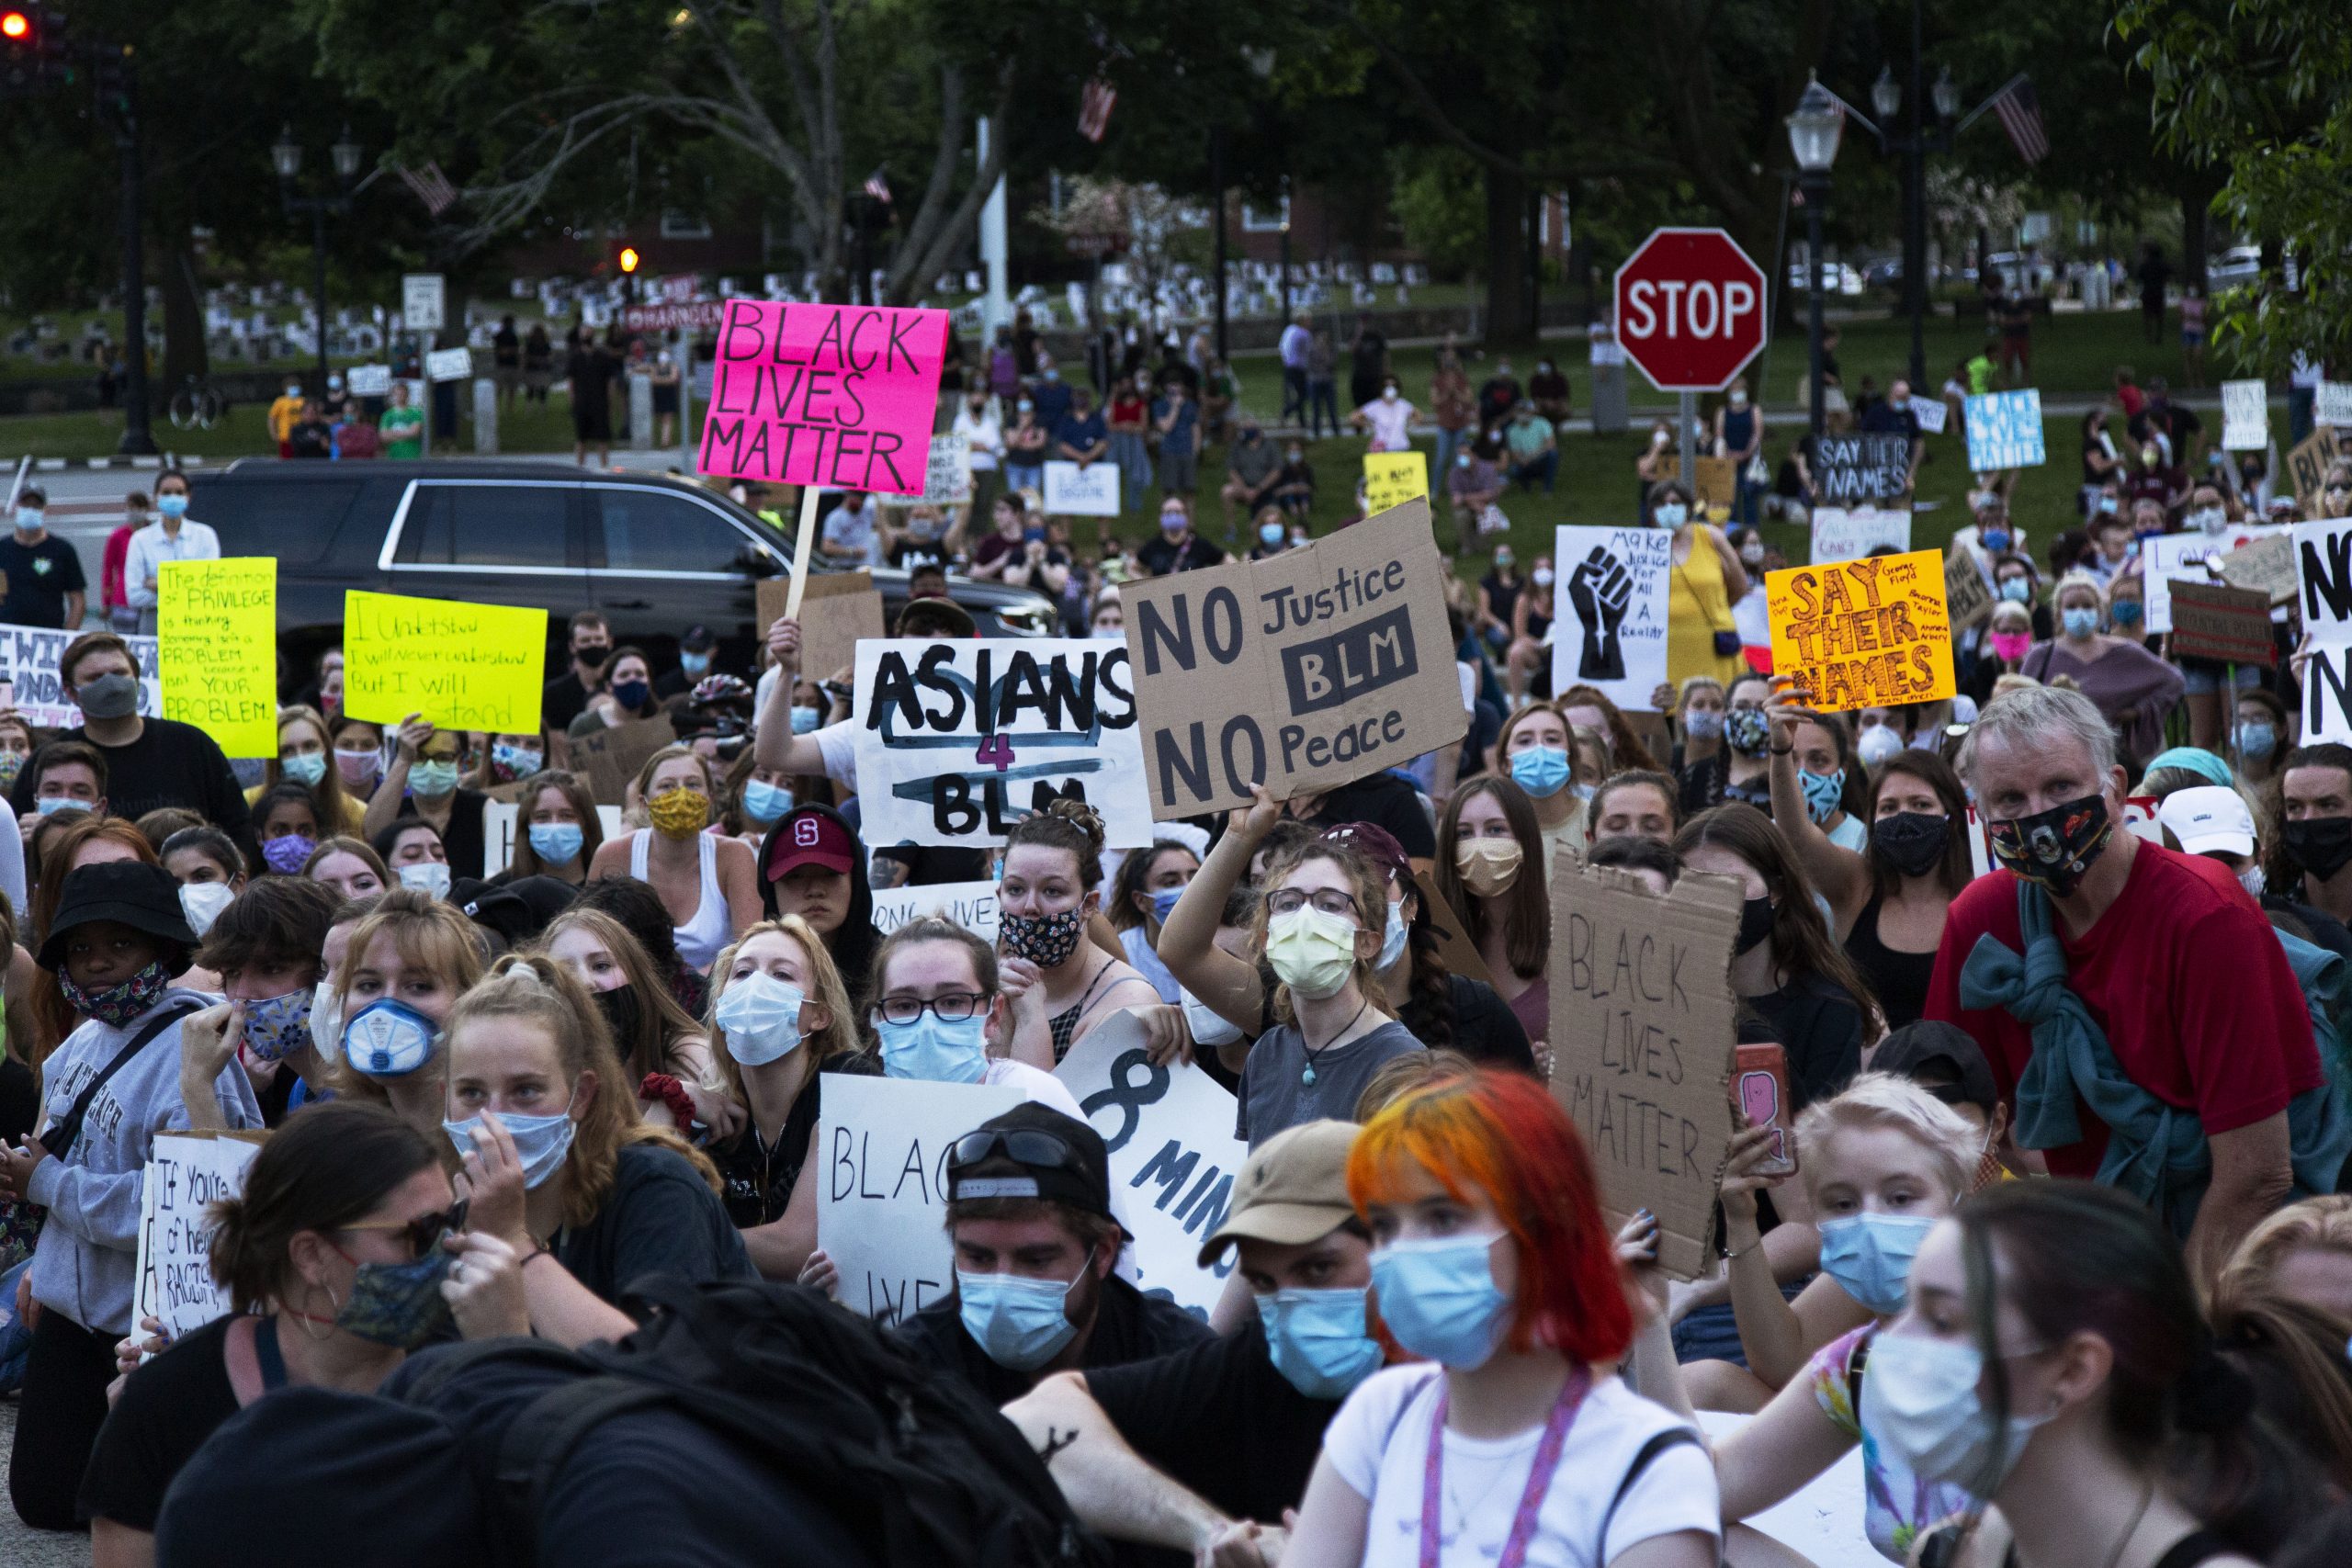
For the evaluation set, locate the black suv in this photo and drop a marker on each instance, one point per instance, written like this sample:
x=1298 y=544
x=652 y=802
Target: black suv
x=654 y=554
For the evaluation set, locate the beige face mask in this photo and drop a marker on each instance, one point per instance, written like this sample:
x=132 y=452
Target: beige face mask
x=1488 y=866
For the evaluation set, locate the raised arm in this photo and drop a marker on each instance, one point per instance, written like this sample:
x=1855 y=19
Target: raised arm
x=1842 y=875
x=775 y=745
x=1227 y=985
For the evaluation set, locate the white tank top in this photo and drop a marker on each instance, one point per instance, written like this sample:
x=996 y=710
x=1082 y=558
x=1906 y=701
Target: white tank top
x=701 y=939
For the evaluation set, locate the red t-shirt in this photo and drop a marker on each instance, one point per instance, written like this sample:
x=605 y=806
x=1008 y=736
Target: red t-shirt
x=2184 y=975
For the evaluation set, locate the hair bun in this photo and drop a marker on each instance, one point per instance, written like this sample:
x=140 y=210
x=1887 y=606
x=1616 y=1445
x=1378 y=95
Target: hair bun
x=1083 y=816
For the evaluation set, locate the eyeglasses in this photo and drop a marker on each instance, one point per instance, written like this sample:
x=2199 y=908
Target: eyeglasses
x=1331 y=901
x=1046 y=1151
x=425 y=1231
x=950 y=1007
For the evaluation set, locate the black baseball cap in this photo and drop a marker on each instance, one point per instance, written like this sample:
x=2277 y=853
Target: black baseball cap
x=1943 y=1052
x=140 y=896
x=698 y=639
x=1031 y=1151
x=518 y=910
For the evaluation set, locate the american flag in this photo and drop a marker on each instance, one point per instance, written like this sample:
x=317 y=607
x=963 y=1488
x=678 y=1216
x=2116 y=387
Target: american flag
x=1094 y=109
x=2021 y=112
x=877 y=188
x=432 y=187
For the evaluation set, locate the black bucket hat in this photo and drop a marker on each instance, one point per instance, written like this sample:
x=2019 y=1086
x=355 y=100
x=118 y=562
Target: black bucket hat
x=140 y=896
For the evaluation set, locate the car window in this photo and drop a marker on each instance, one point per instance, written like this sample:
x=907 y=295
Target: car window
x=295 y=522
x=645 y=530
x=488 y=524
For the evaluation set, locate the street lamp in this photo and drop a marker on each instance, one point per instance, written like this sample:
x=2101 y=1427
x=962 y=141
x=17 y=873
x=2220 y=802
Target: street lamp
x=1887 y=97
x=286 y=156
x=1814 y=127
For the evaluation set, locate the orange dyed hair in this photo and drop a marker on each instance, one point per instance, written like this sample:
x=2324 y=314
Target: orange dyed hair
x=1503 y=1133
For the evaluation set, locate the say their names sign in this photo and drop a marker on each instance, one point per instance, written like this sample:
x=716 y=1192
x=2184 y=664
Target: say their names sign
x=187 y=1173
x=838 y=396
x=1852 y=469
x=1867 y=633
x=882 y=1208
x=1303 y=672
x=1642 y=1029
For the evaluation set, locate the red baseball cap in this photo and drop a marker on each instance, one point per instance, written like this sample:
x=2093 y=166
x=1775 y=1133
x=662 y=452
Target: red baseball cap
x=809 y=837
x=1376 y=844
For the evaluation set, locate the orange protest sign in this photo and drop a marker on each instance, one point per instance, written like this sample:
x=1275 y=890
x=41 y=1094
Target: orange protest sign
x=1874 y=631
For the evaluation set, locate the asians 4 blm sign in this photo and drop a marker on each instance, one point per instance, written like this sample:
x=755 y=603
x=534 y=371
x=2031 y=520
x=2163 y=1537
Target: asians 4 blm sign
x=842 y=397
x=1866 y=633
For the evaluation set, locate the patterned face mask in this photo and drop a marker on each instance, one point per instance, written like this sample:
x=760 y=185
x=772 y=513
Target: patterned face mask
x=1044 y=940
x=679 y=813
x=117 y=1005
x=398 y=1304
x=276 y=1025
x=2057 y=848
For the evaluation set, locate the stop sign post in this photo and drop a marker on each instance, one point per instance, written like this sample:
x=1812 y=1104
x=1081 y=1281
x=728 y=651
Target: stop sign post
x=1691 y=314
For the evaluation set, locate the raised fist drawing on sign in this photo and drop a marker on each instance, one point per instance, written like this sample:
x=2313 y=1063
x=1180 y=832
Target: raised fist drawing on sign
x=1600 y=588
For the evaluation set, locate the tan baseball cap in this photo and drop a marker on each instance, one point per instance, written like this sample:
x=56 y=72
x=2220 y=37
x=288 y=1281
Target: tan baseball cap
x=1292 y=1189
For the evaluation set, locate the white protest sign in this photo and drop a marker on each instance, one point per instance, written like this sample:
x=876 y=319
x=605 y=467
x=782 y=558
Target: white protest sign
x=2333 y=406
x=501 y=827
x=450 y=364
x=1929 y=412
x=2003 y=431
x=960 y=739
x=423 y=301
x=1848 y=532
x=971 y=905
x=371 y=380
x=28 y=664
x=947 y=476
x=187 y=1172
x=2246 y=416
x=2168 y=558
x=882 y=1210
x=1610 y=611
x=2324 y=568
x=1169 y=1131
x=1089 y=492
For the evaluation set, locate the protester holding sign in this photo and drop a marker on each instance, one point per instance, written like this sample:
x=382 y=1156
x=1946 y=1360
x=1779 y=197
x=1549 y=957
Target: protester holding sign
x=708 y=882
x=346 y=1228
x=422 y=781
x=1816 y=779
x=408 y=961
x=115 y=943
x=2132 y=687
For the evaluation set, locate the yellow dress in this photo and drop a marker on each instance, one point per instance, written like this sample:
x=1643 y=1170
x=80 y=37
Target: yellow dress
x=1698 y=607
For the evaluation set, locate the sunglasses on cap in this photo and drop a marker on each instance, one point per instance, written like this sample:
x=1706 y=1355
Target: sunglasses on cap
x=425 y=1231
x=1026 y=1146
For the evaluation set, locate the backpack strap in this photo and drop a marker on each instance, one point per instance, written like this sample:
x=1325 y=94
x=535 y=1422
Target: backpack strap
x=539 y=1440
x=60 y=1137
x=1672 y=1437
x=449 y=1363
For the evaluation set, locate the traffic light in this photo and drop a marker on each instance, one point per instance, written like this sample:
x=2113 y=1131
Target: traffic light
x=33 y=48
x=628 y=259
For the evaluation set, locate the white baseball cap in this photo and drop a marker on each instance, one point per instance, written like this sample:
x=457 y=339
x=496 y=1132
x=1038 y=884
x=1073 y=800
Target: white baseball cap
x=2208 y=818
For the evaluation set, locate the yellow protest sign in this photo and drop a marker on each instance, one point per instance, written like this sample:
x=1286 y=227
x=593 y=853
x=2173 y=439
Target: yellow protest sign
x=1863 y=633
x=461 y=666
x=216 y=650
x=1392 y=478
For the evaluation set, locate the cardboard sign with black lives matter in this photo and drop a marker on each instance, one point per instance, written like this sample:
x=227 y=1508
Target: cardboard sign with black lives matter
x=1643 y=1025
x=2231 y=625
x=1303 y=672
x=1852 y=469
x=2307 y=464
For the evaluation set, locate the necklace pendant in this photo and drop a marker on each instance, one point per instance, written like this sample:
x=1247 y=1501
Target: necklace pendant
x=1306 y=1077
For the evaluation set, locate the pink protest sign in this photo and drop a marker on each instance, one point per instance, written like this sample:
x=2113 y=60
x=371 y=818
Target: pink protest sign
x=839 y=397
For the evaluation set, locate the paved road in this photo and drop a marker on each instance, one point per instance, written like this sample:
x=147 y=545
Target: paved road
x=23 y=1548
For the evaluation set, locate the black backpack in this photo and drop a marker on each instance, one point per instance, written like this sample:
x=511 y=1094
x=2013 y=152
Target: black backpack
x=915 y=1464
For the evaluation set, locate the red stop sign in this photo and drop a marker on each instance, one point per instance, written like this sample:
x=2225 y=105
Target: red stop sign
x=1689 y=309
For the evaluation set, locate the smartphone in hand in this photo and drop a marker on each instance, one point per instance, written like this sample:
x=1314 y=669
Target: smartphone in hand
x=1760 y=1077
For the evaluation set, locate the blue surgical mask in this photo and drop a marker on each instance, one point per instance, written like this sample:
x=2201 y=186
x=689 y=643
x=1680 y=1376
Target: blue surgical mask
x=695 y=664
x=1272 y=534
x=431 y=781
x=1541 y=771
x=1021 y=1322
x=1392 y=940
x=2125 y=612
x=764 y=802
x=172 y=505
x=389 y=1039
x=2017 y=590
x=1163 y=903
x=306 y=770
x=540 y=1141
x=760 y=1017
x=805 y=719
x=935 y=1051
x=50 y=805
x=1438 y=1298
x=2256 y=739
x=1670 y=513
x=2079 y=621
x=1869 y=1255
x=1702 y=724
x=557 y=843
x=1317 y=1340
x=1822 y=793
x=1994 y=538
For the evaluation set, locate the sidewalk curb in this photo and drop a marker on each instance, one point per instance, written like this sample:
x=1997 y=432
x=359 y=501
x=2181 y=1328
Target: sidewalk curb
x=116 y=460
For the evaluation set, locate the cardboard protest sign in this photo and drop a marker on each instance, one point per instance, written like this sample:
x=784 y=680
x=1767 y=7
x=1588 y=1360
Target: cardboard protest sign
x=1929 y=413
x=837 y=611
x=1169 y=1131
x=1641 y=1041
x=971 y=905
x=28 y=657
x=1851 y=470
x=1610 y=610
x=2212 y=621
x=1301 y=671
x=607 y=759
x=947 y=476
x=2245 y=415
x=882 y=1199
x=960 y=739
x=2333 y=405
x=2266 y=565
x=2307 y=464
x=1869 y=633
x=2003 y=431
x=838 y=396
x=1968 y=595
x=1716 y=482
x=1091 y=490
x=461 y=666
x=187 y=1172
x=1392 y=478
x=2168 y=560
x=216 y=623
x=1841 y=532
x=501 y=825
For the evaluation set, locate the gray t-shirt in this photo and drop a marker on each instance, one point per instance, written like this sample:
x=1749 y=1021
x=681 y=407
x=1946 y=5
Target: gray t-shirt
x=1274 y=1097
